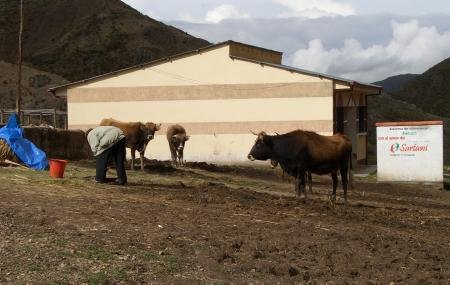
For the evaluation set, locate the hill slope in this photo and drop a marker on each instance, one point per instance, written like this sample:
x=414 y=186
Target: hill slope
x=34 y=87
x=82 y=38
x=412 y=97
x=429 y=91
x=395 y=83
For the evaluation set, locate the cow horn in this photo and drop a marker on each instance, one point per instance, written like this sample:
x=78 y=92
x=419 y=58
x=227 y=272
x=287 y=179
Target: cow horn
x=253 y=133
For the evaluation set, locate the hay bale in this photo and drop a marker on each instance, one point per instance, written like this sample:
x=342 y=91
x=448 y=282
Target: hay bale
x=58 y=143
x=6 y=152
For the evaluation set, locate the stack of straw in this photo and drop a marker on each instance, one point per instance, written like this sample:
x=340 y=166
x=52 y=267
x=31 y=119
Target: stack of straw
x=6 y=152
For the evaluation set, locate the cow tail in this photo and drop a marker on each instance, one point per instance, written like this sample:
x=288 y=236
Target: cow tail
x=350 y=172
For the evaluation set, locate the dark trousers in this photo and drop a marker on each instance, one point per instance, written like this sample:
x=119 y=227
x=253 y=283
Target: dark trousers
x=117 y=153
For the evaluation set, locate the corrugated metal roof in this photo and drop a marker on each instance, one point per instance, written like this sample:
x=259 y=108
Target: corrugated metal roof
x=180 y=55
x=307 y=72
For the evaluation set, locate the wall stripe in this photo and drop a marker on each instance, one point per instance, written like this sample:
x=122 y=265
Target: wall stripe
x=232 y=110
x=322 y=126
x=201 y=92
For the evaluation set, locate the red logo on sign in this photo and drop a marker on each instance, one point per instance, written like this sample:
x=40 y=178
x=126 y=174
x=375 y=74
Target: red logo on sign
x=396 y=147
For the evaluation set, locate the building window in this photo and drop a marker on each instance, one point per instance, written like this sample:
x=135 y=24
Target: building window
x=362 y=119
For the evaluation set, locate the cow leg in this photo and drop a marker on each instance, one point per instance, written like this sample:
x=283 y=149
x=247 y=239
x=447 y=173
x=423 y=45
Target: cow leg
x=297 y=186
x=177 y=158
x=303 y=184
x=142 y=159
x=335 y=182
x=310 y=182
x=300 y=184
x=173 y=153
x=132 y=157
x=344 y=177
x=180 y=156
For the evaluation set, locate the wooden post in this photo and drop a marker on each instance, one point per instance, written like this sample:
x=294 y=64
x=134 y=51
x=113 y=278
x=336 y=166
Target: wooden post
x=19 y=62
x=65 y=122
x=29 y=119
x=54 y=118
x=1 y=117
x=40 y=118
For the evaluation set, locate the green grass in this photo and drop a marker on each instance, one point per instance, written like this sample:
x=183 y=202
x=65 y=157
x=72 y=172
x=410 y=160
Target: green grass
x=170 y=263
x=102 y=277
x=65 y=253
x=98 y=252
x=37 y=268
x=96 y=277
x=61 y=242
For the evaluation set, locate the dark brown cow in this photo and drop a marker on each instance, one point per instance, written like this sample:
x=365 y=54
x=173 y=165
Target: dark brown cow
x=300 y=151
x=176 y=136
x=137 y=135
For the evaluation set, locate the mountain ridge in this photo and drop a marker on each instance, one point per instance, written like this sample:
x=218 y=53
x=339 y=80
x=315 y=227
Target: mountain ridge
x=79 y=39
x=396 y=82
x=408 y=97
x=429 y=91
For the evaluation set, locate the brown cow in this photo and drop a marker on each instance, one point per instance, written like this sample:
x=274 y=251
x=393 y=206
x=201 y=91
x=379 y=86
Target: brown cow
x=300 y=151
x=176 y=136
x=137 y=135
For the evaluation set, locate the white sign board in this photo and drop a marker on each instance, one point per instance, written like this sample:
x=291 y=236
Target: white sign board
x=410 y=151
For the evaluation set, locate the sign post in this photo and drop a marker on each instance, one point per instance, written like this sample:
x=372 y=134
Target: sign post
x=410 y=151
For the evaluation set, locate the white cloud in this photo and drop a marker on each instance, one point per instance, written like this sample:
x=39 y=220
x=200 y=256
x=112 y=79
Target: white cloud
x=315 y=8
x=382 y=45
x=223 y=12
x=412 y=49
x=183 y=16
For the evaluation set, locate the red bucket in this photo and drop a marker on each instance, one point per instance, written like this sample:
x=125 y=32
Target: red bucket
x=57 y=167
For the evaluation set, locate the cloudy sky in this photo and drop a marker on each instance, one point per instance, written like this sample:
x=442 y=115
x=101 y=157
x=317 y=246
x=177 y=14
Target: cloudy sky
x=364 y=40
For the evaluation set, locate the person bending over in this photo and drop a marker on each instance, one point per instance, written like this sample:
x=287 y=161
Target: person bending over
x=108 y=142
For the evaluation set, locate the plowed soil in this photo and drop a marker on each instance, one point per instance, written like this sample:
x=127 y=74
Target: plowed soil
x=224 y=224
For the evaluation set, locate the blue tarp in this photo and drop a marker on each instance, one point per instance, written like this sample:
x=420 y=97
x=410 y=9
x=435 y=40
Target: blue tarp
x=25 y=150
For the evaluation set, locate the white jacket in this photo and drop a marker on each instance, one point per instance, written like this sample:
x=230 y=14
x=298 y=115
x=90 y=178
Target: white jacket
x=103 y=137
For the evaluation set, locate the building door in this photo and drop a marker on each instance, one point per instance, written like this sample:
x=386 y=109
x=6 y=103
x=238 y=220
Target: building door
x=350 y=127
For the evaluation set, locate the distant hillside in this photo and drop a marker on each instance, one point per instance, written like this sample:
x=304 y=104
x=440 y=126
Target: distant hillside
x=81 y=38
x=429 y=91
x=384 y=108
x=395 y=83
x=34 y=87
x=412 y=97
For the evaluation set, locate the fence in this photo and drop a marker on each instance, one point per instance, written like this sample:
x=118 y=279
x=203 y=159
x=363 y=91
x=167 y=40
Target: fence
x=41 y=116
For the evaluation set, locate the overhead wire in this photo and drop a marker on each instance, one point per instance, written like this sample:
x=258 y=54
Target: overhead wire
x=230 y=86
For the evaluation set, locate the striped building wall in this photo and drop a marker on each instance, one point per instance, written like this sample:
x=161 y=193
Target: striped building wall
x=216 y=98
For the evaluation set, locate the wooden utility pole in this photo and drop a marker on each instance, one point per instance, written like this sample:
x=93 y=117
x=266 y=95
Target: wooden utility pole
x=19 y=62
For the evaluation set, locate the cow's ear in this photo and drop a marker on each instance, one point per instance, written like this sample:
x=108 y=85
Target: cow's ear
x=187 y=138
x=157 y=127
x=267 y=140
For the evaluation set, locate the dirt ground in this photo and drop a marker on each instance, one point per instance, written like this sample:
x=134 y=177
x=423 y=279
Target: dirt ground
x=217 y=224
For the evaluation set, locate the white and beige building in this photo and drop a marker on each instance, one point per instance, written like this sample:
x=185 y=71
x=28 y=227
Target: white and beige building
x=219 y=94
